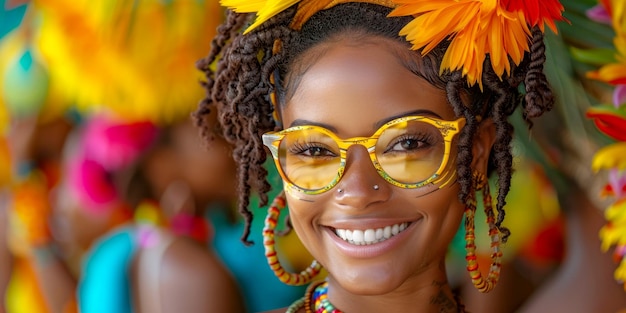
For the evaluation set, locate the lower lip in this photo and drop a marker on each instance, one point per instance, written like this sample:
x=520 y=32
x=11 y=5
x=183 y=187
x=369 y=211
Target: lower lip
x=373 y=250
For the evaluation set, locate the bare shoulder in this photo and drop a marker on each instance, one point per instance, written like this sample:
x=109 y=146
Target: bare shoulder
x=192 y=278
x=187 y=257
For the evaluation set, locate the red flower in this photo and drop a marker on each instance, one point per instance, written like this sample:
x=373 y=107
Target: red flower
x=609 y=122
x=537 y=12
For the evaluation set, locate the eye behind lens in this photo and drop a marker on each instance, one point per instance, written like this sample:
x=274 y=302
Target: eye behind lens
x=410 y=152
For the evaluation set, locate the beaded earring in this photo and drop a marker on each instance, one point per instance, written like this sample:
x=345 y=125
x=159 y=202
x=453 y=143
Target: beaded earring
x=271 y=220
x=479 y=182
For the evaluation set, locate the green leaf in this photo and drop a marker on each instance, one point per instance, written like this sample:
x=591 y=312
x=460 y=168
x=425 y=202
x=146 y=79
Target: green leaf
x=597 y=57
x=586 y=33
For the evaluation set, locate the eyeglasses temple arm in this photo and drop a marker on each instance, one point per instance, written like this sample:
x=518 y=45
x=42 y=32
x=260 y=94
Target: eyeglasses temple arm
x=271 y=141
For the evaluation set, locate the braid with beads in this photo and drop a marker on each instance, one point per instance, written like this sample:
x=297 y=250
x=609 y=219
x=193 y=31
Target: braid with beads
x=239 y=89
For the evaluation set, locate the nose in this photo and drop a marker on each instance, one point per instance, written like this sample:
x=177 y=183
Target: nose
x=361 y=185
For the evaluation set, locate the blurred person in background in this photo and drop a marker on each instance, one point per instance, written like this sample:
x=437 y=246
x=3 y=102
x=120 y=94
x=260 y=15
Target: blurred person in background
x=132 y=75
x=95 y=62
x=159 y=260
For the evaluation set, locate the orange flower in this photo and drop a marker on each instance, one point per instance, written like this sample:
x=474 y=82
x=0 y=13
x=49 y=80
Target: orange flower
x=475 y=28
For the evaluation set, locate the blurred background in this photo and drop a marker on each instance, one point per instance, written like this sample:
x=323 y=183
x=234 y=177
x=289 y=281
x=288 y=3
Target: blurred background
x=97 y=142
x=100 y=163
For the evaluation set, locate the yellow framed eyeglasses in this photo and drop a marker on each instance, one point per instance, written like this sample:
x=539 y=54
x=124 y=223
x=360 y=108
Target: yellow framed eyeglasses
x=408 y=152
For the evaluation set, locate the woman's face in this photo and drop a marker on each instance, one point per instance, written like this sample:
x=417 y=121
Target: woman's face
x=353 y=90
x=208 y=172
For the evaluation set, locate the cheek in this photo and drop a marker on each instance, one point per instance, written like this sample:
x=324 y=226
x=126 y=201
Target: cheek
x=444 y=211
x=303 y=216
x=449 y=205
x=452 y=220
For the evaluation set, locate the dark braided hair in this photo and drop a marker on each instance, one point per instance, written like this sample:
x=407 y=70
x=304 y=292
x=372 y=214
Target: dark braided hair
x=239 y=89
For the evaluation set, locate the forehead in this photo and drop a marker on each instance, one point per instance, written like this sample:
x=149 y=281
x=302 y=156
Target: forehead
x=351 y=88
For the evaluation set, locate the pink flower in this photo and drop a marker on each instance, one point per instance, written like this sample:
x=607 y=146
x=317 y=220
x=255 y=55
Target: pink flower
x=617 y=181
x=116 y=144
x=599 y=14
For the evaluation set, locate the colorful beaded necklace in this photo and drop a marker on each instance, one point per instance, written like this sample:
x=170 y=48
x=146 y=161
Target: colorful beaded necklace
x=317 y=294
x=320 y=300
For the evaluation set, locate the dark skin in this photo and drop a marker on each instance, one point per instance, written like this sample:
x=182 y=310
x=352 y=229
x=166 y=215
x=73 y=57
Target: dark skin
x=191 y=278
x=206 y=168
x=343 y=90
x=239 y=88
x=189 y=271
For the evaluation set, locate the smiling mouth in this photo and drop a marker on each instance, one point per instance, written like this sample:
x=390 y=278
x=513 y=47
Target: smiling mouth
x=370 y=236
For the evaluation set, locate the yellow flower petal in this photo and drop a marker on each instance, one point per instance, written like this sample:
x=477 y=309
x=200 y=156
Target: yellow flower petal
x=612 y=235
x=616 y=213
x=612 y=156
x=244 y=6
x=269 y=10
x=610 y=73
x=99 y=56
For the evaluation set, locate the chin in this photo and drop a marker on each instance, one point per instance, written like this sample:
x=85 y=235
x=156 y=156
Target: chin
x=368 y=283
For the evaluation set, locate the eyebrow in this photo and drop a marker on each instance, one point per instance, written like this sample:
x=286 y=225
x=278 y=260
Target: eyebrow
x=377 y=125
x=302 y=122
x=380 y=123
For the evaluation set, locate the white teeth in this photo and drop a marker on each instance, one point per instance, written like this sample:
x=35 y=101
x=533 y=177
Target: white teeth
x=357 y=235
x=370 y=236
x=395 y=229
x=387 y=232
x=341 y=233
x=348 y=235
x=380 y=233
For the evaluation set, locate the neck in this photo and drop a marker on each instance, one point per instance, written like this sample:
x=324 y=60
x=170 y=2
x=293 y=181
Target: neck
x=416 y=295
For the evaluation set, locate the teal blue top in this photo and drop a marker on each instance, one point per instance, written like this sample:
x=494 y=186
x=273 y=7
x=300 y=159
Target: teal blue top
x=105 y=285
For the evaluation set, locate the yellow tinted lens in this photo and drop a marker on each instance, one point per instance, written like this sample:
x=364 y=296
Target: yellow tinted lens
x=410 y=152
x=309 y=159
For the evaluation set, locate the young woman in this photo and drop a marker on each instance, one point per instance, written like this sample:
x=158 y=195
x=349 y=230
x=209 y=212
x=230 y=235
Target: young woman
x=384 y=119
x=160 y=261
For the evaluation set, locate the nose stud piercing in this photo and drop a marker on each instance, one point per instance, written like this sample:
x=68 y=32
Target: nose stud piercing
x=376 y=187
x=340 y=190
